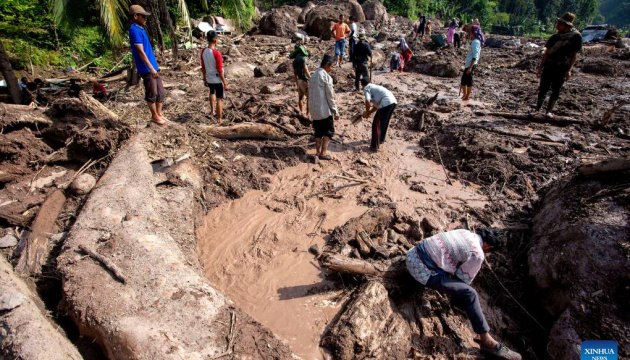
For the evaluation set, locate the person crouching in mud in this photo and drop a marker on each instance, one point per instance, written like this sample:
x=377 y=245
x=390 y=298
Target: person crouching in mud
x=448 y=262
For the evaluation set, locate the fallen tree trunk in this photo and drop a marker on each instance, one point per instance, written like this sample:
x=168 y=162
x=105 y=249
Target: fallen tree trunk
x=556 y=120
x=22 y=115
x=36 y=248
x=369 y=327
x=27 y=333
x=346 y=265
x=85 y=106
x=608 y=165
x=121 y=76
x=166 y=309
x=245 y=131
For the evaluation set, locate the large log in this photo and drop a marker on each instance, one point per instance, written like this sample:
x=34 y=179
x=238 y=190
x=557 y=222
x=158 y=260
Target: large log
x=166 y=309
x=36 y=246
x=608 y=165
x=27 y=333
x=370 y=327
x=346 y=265
x=22 y=115
x=245 y=131
x=556 y=120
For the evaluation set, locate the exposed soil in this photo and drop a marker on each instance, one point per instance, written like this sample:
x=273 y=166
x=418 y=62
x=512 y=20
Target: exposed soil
x=259 y=206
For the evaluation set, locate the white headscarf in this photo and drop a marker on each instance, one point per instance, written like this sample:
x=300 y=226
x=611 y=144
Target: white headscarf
x=403 y=44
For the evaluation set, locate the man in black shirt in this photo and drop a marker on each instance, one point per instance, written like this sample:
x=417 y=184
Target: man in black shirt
x=362 y=51
x=557 y=62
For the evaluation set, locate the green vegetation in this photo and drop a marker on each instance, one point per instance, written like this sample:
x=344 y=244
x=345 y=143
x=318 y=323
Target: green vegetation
x=616 y=12
x=71 y=33
x=532 y=15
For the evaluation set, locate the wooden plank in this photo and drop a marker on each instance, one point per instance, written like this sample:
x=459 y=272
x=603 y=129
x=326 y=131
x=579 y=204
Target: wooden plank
x=36 y=247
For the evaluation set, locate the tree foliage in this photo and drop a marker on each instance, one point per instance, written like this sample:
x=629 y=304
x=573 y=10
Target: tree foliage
x=616 y=12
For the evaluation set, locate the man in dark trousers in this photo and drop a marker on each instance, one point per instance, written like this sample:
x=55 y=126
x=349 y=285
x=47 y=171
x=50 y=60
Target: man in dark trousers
x=448 y=262
x=557 y=61
x=380 y=100
x=146 y=64
x=362 y=52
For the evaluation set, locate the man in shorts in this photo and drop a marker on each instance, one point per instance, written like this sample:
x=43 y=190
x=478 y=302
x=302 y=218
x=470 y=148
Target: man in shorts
x=323 y=107
x=471 y=60
x=146 y=65
x=212 y=72
x=340 y=30
x=301 y=75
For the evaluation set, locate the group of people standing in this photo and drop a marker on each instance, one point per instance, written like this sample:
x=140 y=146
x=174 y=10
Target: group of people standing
x=447 y=262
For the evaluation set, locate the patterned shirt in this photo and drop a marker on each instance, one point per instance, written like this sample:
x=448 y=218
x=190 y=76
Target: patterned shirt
x=458 y=252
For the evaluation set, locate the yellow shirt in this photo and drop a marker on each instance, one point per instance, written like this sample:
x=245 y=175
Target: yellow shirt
x=340 y=30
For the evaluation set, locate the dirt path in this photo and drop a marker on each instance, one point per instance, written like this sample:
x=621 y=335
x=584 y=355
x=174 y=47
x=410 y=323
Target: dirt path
x=255 y=248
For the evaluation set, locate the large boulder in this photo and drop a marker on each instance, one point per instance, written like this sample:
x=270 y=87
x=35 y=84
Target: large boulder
x=319 y=21
x=302 y=17
x=279 y=22
x=239 y=69
x=435 y=65
x=374 y=10
x=579 y=260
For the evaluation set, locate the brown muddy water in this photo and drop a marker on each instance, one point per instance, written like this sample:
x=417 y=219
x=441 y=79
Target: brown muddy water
x=255 y=249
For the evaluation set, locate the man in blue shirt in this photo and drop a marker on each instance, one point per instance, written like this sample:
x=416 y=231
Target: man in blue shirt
x=146 y=64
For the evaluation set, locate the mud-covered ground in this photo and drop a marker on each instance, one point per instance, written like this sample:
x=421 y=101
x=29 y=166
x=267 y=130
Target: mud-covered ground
x=500 y=169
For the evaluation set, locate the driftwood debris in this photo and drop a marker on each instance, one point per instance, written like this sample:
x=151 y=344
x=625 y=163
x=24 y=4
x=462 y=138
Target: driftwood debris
x=608 y=165
x=99 y=110
x=121 y=76
x=22 y=115
x=609 y=113
x=365 y=243
x=346 y=265
x=556 y=120
x=36 y=245
x=107 y=263
x=370 y=327
x=245 y=131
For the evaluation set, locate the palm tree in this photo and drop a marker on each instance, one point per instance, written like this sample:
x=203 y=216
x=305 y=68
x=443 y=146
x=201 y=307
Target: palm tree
x=113 y=14
x=9 y=76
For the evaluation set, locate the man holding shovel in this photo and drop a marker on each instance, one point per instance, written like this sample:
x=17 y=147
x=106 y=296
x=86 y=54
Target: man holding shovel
x=381 y=101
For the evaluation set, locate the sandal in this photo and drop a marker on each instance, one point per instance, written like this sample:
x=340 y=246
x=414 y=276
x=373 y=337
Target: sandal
x=501 y=352
x=325 y=157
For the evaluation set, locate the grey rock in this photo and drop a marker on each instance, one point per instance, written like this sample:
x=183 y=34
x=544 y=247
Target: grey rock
x=8 y=241
x=83 y=184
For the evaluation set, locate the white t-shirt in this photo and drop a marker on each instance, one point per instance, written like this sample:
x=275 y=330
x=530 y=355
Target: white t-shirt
x=355 y=31
x=212 y=63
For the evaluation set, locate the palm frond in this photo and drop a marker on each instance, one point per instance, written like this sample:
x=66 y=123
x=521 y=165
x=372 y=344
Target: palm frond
x=241 y=11
x=112 y=16
x=183 y=8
